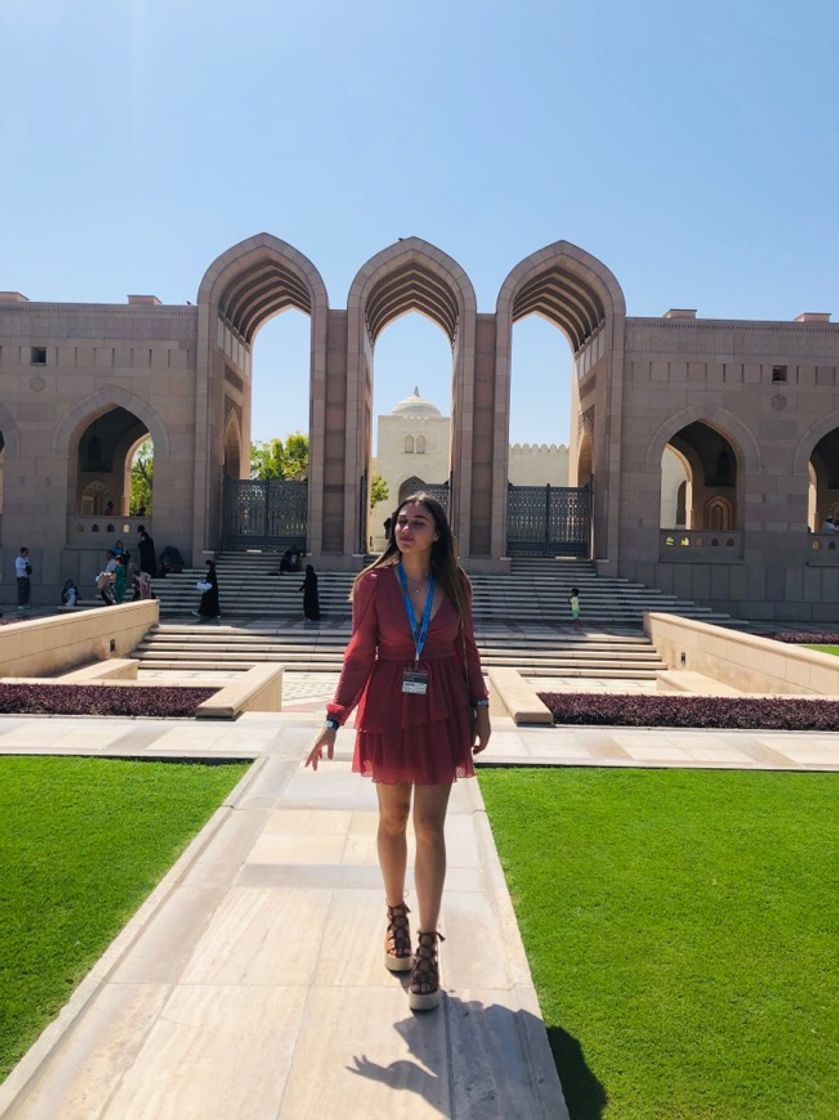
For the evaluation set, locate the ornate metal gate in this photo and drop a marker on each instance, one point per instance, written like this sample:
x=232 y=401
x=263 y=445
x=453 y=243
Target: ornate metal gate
x=268 y=514
x=548 y=520
x=440 y=491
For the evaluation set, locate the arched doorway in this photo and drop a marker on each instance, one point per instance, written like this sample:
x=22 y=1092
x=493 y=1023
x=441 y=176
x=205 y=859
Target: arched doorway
x=824 y=482
x=409 y=276
x=708 y=466
x=581 y=297
x=247 y=286
x=103 y=474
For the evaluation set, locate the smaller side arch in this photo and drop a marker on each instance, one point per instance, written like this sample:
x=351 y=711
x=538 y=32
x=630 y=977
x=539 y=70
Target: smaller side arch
x=99 y=402
x=232 y=447
x=807 y=443
x=739 y=435
x=11 y=435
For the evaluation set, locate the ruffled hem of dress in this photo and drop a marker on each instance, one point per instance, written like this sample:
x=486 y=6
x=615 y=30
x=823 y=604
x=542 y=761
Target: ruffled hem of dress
x=432 y=754
x=367 y=770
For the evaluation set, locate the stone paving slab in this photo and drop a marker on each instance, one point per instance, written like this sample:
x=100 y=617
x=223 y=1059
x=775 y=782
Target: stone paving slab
x=251 y=982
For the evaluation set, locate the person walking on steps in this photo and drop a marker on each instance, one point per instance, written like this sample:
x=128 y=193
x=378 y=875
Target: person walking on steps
x=574 y=603
x=311 y=602
x=413 y=669
x=209 y=606
x=23 y=572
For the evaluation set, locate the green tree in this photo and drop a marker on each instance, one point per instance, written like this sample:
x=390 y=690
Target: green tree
x=274 y=459
x=378 y=490
x=142 y=479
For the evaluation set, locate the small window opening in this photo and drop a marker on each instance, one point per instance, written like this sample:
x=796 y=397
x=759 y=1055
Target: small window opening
x=779 y=374
x=39 y=355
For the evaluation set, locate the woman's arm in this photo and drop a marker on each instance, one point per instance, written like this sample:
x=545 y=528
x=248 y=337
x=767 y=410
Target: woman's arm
x=360 y=653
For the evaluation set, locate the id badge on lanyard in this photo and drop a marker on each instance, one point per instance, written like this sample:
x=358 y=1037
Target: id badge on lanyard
x=415 y=681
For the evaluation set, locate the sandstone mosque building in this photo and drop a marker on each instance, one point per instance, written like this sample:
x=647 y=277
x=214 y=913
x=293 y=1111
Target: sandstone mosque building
x=413 y=442
x=749 y=409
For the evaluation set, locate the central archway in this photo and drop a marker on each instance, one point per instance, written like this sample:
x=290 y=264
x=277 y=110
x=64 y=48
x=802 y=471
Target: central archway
x=411 y=275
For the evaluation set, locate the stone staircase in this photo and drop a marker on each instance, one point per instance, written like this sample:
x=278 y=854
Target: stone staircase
x=535 y=592
x=624 y=656
x=522 y=620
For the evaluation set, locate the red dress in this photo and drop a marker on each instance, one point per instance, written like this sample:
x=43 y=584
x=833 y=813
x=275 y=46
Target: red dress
x=403 y=737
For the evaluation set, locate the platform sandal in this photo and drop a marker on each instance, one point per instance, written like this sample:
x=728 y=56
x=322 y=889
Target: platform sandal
x=398 y=956
x=424 y=989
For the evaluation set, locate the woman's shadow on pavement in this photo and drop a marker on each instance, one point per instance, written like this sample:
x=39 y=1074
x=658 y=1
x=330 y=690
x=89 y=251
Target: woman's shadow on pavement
x=489 y=1062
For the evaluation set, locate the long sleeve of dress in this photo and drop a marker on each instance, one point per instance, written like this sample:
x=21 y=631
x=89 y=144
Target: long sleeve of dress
x=360 y=653
x=474 y=673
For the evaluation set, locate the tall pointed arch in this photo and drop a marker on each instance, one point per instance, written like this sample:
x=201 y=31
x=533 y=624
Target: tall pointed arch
x=241 y=290
x=581 y=296
x=411 y=275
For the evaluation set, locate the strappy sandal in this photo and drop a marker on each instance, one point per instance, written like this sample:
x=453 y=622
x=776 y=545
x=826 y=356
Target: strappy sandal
x=424 y=989
x=398 y=956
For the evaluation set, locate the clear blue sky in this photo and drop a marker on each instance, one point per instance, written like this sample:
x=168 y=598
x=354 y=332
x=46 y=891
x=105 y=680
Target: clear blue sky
x=693 y=148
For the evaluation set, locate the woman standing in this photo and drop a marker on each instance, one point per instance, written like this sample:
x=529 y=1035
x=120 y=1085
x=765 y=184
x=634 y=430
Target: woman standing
x=413 y=669
x=120 y=577
x=208 y=607
x=311 y=602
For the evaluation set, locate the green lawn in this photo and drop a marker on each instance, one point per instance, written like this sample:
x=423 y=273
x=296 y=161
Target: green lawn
x=82 y=842
x=682 y=929
x=825 y=649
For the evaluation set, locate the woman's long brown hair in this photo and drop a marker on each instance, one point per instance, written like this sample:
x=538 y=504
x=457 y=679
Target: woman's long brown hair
x=447 y=572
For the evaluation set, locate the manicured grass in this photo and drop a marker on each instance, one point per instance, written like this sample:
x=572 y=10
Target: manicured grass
x=682 y=929
x=825 y=649
x=82 y=842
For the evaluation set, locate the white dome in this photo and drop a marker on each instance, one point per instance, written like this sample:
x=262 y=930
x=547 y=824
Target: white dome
x=415 y=405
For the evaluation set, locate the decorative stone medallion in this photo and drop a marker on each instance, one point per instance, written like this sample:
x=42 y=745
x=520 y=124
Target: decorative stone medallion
x=779 y=402
x=37 y=383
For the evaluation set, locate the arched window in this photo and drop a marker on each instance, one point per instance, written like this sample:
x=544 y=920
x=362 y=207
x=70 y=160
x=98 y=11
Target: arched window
x=409 y=445
x=95 y=497
x=702 y=458
x=420 y=445
x=410 y=486
x=719 y=514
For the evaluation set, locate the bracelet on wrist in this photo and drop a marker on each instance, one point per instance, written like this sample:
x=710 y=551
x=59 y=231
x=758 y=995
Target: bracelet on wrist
x=482 y=703
x=331 y=724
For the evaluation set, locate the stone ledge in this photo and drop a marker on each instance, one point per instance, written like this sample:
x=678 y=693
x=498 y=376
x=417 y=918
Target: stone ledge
x=510 y=695
x=116 y=668
x=260 y=689
x=695 y=684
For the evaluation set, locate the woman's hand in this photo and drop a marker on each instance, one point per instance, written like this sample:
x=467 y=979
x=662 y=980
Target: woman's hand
x=480 y=729
x=325 y=739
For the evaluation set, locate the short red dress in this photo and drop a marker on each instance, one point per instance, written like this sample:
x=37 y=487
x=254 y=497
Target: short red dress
x=403 y=737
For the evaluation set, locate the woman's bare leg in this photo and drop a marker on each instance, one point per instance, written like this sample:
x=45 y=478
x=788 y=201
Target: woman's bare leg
x=394 y=810
x=430 y=804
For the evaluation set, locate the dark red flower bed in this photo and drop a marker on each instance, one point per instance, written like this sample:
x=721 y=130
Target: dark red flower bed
x=777 y=713
x=818 y=638
x=100 y=700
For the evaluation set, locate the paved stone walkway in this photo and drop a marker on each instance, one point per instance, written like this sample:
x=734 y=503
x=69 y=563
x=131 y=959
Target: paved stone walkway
x=250 y=983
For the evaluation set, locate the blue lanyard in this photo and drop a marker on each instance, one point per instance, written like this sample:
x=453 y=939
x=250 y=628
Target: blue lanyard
x=419 y=637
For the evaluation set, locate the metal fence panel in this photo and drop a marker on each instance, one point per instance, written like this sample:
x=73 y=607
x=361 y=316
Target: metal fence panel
x=548 y=520
x=270 y=514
